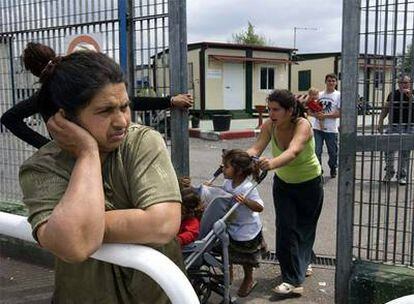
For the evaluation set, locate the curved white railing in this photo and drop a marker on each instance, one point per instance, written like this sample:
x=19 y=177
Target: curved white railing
x=156 y=265
x=403 y=300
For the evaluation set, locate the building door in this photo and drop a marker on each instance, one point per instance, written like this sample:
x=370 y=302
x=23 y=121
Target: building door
x=234 y=88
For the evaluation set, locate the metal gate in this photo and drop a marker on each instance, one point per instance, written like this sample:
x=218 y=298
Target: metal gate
x=375 y=214
x=136 y=33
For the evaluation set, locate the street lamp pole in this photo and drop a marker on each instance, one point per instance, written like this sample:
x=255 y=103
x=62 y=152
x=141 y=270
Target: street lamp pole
x=301 y=28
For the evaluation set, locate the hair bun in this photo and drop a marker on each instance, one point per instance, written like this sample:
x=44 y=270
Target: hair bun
x=36 y=56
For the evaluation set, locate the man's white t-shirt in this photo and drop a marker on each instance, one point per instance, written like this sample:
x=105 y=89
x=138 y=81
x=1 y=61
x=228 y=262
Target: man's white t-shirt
x=246 y=224
x=331 y=102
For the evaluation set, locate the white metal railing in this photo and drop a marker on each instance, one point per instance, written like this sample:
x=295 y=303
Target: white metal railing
x=403 y=300
x=151 y=262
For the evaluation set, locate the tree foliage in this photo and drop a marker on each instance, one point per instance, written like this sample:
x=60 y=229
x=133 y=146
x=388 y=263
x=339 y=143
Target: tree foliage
x=249 y=37
x=407 y=62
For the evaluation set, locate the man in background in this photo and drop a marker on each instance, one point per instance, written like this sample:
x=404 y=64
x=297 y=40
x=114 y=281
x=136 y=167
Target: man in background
x=325 y=123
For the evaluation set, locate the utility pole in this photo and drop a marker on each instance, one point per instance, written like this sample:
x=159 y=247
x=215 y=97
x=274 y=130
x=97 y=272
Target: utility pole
x=302 y=29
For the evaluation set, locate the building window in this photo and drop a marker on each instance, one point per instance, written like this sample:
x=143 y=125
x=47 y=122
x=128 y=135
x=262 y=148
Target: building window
x=304 y=80
x=267 y=78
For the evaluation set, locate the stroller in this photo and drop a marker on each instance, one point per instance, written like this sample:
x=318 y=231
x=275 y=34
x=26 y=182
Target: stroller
x=207 y=259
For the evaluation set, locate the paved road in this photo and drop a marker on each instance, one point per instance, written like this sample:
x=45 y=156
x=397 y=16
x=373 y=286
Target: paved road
x=26 y=283
x=205 y=156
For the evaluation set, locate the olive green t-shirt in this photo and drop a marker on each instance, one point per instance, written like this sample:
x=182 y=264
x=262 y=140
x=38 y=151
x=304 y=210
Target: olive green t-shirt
x=138 y=174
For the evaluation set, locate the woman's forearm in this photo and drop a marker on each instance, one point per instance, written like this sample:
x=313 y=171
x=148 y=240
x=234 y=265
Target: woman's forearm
x=283 y=159
x=76 y=227
x=158 y=224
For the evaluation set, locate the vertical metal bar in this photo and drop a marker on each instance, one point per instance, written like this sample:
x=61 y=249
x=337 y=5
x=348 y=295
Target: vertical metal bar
x=408 y=126
x=377 y=77
x=381 y=154
x=14 y=18
x=141 y=48
x=123 y=44
x=371 y=222
x=346 y=187
x=63 y=6
x=366 y=97
x=130 y=47
x=396 y=208
x=412 y=162
x=13 y=89
x=178 y=83
x=19 y=18
x=72 y=10
x=164 y=52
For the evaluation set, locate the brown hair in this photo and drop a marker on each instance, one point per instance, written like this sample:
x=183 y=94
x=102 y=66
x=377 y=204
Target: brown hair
x=288 y=101
x=192 y=206
x=36 y=56
x=331 y=75
x=242 y=162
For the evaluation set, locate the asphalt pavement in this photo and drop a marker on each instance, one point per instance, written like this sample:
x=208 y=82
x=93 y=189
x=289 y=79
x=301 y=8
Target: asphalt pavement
x=23 y=282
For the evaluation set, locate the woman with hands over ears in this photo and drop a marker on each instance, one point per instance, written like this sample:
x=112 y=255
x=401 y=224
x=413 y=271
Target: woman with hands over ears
x=100 y=180
x=297 y=185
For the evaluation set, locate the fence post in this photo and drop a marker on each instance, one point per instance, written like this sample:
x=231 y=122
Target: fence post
x=13 y=84
x=349 y=95
x=178 y=84
x=126 y=42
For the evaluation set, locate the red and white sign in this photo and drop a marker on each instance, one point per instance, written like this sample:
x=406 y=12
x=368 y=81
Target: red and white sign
x=83 y=42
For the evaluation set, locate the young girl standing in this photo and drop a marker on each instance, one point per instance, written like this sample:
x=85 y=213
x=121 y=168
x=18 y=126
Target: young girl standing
x=245 y=227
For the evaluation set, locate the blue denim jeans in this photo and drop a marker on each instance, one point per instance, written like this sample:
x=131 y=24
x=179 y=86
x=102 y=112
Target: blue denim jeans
x=331 y=140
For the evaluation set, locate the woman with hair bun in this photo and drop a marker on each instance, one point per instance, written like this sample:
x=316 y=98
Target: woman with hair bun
x=297 y=185
x=101 y=180
x=35 y=57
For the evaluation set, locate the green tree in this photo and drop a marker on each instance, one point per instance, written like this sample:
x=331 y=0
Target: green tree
x=249 y=37
x=407 y=60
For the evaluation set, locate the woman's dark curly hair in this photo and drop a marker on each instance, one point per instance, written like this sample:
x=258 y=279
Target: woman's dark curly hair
x=288 y=101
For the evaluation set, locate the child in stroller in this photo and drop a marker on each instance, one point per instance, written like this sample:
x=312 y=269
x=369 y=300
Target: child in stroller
x=191 y=212
x=239 y=204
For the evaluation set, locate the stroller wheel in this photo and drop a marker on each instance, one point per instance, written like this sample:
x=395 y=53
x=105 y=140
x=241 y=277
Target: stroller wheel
x=202 y=289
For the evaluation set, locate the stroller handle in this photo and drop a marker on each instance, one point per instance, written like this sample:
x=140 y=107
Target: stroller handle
x=216 y=174
x=262 y=176
x=218 y=171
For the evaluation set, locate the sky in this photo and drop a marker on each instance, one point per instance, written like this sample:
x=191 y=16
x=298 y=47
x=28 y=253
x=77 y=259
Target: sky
x=218 y=20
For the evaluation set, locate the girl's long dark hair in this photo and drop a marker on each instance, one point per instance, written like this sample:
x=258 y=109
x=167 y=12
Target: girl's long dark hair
x=242 y=162
x=288 y=101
